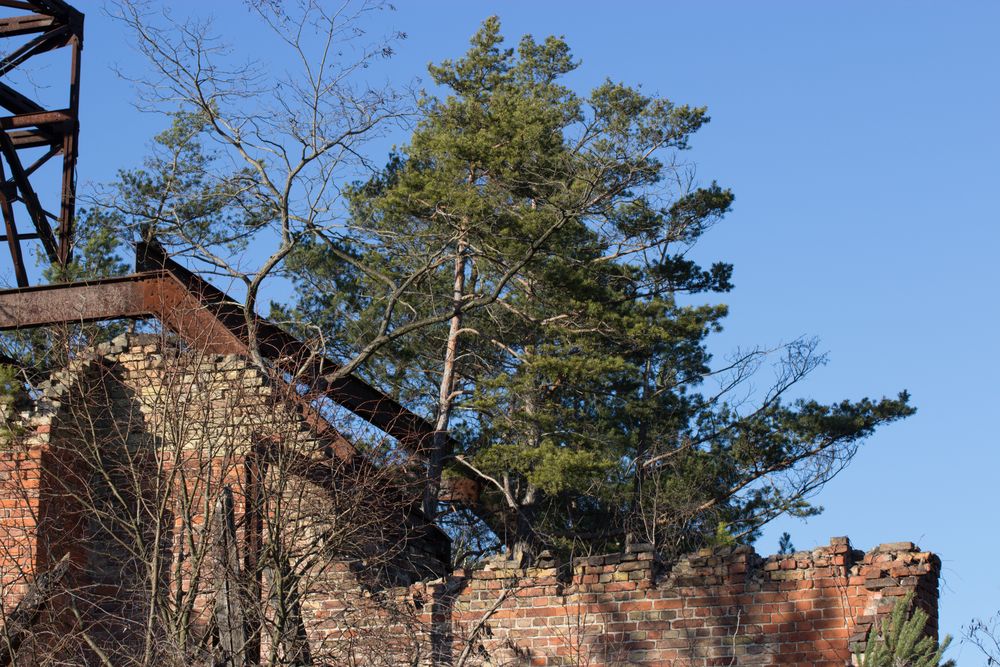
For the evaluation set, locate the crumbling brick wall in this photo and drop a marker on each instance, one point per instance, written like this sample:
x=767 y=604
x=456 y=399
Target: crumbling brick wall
x=133 y=442
x=724 y=606
x=20 y=476
x=727 y=606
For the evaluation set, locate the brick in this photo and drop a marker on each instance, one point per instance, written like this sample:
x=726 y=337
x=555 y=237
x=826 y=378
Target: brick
x=715 y=607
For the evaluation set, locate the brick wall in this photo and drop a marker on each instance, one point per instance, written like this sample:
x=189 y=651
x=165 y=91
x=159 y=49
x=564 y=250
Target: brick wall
x=120 y=463
x=726 y=606
x=20 y=474
x=165 y=423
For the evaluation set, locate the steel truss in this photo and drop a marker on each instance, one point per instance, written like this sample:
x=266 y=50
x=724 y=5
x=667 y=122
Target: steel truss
x=50 y=24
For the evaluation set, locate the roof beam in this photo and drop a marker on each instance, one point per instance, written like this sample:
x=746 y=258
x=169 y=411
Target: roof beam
x=208 y=319
x=73 y=303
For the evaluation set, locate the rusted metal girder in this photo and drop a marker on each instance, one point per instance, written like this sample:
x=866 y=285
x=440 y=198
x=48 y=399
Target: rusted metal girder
x=138 y=296
x=152 y=294
x=209 y=320
x=48 y=25
x=295 y=357
x=31 y=307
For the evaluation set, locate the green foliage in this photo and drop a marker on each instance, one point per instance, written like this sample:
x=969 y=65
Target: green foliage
x=785 y=545
x=10 y=384
x=901 y=641
x=581 y=358
x=11 y=391
x=186 y=198
x=97 y=252
x=723 y=537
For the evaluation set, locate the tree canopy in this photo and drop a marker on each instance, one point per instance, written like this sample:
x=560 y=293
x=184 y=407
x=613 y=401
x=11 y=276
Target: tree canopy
x=520 y=272
x=538 y=239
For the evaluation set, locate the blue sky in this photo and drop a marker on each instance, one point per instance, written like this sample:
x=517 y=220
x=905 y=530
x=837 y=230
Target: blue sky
x=860 y=139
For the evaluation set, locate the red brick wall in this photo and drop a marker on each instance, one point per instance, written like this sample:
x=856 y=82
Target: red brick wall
x=198 y=417
x=716 y=607
x=20 y=473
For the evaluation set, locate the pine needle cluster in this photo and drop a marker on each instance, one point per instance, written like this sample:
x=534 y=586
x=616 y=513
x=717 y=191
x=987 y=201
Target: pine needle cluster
x=901 y=641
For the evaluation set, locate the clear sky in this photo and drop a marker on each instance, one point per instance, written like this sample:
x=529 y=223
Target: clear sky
x=861 y=141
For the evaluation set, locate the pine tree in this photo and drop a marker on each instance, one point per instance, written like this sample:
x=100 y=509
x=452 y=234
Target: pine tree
x=901 y=640
x=520 y=272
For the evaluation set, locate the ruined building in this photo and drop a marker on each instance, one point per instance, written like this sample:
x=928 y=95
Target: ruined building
x=175 y=432
x=166 y=500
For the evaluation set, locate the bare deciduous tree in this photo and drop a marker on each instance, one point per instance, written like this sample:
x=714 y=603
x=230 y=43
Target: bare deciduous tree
x=280 y=145
x=206 y=520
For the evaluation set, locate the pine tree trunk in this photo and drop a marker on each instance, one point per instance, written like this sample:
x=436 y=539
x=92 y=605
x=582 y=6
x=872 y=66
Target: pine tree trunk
x=521 y=539
x=446 y=400
x=637 y=520
x=524 y=544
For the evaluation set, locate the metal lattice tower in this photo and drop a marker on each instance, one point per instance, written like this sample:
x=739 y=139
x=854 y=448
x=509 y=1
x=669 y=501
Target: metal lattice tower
x=48 y=25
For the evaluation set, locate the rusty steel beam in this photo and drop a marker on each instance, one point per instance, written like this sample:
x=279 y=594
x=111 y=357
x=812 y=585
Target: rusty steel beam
x=154 y=294
x=195 y=317
x=29 y=139
x=209 y=320
x=12 y=237
x=13 y=240
x=28 y=196
x=58 y=8
x=15 y=102
x=36 y=119
x=25 y=25
x=297 y=358
x=50 y=24
x=71 y=138
x=73 y=303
